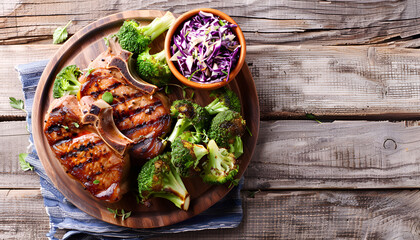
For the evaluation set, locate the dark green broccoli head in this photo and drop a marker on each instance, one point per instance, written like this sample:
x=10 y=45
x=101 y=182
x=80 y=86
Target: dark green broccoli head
x=186 y=155
x=225 y=126
x=66 y=82
x=157 y=178
x=225 y=99
x=221 y=165
x=153 y=68
x=135 y=38
x=188 y=114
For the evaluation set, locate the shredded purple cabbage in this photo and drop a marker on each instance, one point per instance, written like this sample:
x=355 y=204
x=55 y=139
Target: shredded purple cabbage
x=206 y=48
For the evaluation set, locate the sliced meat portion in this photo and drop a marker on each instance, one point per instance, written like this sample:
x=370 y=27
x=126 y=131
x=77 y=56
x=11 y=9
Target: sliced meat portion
x=83 y=153
x=141 y=117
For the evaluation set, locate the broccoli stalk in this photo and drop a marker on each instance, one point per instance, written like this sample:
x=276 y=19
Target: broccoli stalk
x=66 y=82
x=188 y=114
x=153 y=68
x=181 y=125
x=157 y=178
x=221 y=165
x=237 y=148
x=225 y=100
x=216 y=107
x=186 y=155
x=135 y=38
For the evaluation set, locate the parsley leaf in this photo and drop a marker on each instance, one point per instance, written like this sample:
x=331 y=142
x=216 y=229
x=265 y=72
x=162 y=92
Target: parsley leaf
x=107 y=97
x=23 y=163
x=96 y=182
x=312 y=117
x=17 y=103
x=60 y=34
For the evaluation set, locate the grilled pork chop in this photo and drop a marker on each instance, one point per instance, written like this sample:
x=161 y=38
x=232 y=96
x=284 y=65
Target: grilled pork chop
x=83 y=153
x=141 y=117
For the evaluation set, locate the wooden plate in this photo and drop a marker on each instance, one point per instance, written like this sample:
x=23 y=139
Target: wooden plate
x=81 y=49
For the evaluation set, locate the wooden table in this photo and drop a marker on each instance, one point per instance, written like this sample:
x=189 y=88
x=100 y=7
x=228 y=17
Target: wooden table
x=352 y=64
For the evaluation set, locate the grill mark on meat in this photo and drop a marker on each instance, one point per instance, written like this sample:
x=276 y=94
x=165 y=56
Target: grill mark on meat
x=150 y=123
x=92 y=83
x=102 y=91
x=120 y=116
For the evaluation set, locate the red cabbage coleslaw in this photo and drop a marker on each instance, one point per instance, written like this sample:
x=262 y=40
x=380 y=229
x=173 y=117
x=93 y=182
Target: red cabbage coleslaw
x=205 y=48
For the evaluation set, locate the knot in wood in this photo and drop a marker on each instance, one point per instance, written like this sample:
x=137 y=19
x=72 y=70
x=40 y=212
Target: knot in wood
x=390 y=144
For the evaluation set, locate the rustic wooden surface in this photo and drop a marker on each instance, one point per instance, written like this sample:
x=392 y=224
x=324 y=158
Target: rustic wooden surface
x=353 y=64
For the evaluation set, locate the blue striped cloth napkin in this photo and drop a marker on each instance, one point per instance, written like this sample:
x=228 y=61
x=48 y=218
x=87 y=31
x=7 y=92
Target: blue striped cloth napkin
x=227 y=213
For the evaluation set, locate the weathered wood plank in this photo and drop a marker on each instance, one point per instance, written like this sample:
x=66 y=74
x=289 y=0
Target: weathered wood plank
x=292 y=155
x=14 y=140
x=330 y=82
x=11 y=86
x=292 y=21
x=269 y=215
x=336 y=82
x=342 y=154
x=324 y=215
x=23 y=215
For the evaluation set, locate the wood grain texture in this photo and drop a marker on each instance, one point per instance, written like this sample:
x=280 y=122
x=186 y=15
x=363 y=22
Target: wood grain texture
x=269 y=215
x=331 y=82
x=274 y=22
x=23 y=215
x=11 y=175
x=342 y=154
x=12 y=56
x=336 y=82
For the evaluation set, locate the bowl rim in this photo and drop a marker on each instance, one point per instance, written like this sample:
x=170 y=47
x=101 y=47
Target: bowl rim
x=237 y=31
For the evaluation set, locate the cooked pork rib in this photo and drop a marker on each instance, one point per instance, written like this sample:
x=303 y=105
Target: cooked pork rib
x=83 y=153
x=141 y=117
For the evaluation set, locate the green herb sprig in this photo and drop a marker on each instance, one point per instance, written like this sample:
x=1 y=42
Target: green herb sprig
x=124 y=215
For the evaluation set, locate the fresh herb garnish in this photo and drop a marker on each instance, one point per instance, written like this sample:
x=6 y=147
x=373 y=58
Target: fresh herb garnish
x=106 y=39
x=60 y=34
x=234 y=182
x=252 y=193
x=65 y=127
x=312 y=117
x=17 y=103
x=107 y=97
x=89 y=71
x=96 y=182
x=76 y=124
x=23 y=163
x=124 y=215
x=221 y=23
x=249 y=131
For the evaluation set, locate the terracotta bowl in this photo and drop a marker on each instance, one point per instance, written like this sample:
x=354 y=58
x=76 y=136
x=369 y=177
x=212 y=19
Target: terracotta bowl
x=179 y=22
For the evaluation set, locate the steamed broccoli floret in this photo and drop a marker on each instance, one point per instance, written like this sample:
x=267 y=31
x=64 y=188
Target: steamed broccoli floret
x=221 y=165
x=225 y=99
x=158 y=179
x=186 y=155
x=188 y=114
x=135 y=38
x=66 y=82
x=153 y=68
